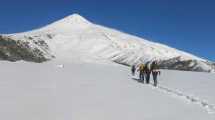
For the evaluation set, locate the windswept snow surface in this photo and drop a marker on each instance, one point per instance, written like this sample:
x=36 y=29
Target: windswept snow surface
x=194 y=87
x=81 y=91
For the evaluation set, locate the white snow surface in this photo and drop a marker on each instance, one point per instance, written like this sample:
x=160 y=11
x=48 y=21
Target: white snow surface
x=74 y=38
x=59 y=90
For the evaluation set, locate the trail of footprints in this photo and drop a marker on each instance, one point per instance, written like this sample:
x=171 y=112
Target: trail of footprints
x=204 y=104
x=210 y=108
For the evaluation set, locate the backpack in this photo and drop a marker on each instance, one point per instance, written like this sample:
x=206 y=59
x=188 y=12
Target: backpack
x=154 y=66
x=142 y=67
x=147 y=67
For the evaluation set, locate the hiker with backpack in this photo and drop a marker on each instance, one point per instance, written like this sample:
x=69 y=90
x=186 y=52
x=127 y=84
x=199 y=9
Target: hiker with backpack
x=141 y=72
x=147 y=72
x=155 y=71
x=133 y=69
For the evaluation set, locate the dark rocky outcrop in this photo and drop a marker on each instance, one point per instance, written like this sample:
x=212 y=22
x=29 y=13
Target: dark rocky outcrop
x=14 y=50
x=186 y=65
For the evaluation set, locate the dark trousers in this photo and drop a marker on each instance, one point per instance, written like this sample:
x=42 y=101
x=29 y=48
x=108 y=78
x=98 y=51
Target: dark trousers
x=141 y=76
x=155 y=76
x=148 y=77
x=133 y=72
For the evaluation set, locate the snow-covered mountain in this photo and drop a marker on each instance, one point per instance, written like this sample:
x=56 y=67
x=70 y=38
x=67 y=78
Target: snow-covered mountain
x=76 y=39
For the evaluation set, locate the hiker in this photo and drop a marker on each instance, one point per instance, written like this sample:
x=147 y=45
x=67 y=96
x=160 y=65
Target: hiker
x=141 y=72
x=147 y=72
x=133 y=69
x=155 y=72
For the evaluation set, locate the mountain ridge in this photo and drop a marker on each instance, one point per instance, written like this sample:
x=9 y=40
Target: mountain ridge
x=74 y=37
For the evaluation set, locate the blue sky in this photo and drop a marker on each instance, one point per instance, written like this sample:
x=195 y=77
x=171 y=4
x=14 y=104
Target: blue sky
x=188 y=25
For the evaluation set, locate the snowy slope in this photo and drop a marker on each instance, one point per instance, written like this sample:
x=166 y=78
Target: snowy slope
x=99 y=92
x=76 y=39
x=194 y=87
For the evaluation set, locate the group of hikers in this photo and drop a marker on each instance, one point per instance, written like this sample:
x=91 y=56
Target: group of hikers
x=145 y=71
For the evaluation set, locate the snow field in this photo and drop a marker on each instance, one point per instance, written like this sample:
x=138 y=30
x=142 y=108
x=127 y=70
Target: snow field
x=87 y=91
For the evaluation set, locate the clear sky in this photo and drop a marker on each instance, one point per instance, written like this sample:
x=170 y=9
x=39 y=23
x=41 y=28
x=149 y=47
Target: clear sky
x=188 y=25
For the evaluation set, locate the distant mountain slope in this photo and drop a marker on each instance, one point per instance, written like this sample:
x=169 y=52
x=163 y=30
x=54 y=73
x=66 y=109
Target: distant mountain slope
x=75 y=38
x=13 y=50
